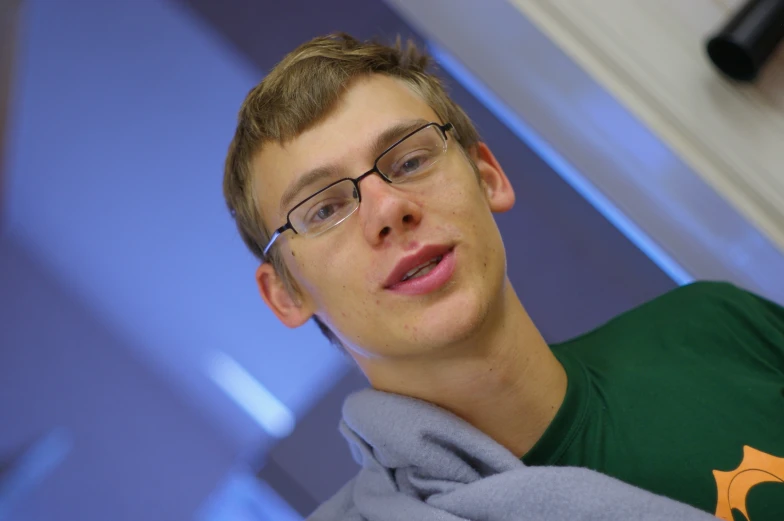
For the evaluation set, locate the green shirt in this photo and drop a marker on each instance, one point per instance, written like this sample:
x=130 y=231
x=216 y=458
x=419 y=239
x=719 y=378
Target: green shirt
x=683 y=396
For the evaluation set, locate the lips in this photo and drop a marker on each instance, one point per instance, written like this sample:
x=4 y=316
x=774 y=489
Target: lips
x=408 y=266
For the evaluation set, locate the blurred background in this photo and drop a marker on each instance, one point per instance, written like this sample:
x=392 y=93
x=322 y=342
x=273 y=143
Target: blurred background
x=141 y=376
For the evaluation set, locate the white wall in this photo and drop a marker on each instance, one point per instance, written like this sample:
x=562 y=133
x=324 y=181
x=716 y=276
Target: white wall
x=651 y=55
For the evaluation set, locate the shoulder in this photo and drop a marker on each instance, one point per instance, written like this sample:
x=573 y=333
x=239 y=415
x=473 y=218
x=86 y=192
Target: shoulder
x=683 y=305
x=706 y=289
x=693 y=310
x=720 y=307
x=720 y=315
x=690 y=322
x=722 y=298
x=698 y=300
x=702 y=291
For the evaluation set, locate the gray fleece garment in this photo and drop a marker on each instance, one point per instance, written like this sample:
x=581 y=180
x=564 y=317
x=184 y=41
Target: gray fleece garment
x=421 y=462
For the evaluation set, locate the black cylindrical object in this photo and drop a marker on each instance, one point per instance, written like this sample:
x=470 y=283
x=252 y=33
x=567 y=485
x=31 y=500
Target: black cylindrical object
x=741 y=48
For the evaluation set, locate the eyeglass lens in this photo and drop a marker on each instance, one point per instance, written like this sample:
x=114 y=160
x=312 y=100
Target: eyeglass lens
x=409 y=160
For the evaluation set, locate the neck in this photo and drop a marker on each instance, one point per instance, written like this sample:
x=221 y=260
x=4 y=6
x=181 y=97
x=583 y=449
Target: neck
x=504 y=380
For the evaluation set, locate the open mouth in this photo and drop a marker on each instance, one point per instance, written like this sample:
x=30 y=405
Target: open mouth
x=425 y=277
x=422 y=269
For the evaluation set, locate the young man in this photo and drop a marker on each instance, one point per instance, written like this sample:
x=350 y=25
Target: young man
x=368 y=196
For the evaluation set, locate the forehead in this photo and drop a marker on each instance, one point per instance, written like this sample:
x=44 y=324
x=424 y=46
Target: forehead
x=344 y=138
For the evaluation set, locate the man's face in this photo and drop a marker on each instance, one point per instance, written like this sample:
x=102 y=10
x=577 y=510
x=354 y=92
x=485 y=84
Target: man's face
x=345 y=274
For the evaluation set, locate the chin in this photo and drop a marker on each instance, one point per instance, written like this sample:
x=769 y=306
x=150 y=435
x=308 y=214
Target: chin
x=453 y=320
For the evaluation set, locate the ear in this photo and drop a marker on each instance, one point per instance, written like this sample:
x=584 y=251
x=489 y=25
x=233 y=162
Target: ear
x=290 y=310
x=498 y=190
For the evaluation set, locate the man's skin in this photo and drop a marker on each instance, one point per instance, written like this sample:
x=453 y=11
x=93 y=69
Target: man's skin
x=469 y=346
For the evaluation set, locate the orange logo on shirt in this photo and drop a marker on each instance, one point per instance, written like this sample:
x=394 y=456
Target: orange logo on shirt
x=734 y=486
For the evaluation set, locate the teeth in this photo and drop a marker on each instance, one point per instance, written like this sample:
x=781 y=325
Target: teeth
x=424 y=271
x=425 y=268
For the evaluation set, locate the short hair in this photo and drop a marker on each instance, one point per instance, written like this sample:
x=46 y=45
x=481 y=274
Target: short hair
x=297 y=94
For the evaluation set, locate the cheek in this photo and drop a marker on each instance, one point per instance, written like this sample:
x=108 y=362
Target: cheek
x=335 y=281
x=467 y=207
x=344 y=299
x=305 y=272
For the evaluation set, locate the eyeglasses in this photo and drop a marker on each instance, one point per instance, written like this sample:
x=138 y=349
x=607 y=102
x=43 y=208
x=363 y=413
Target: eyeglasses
x=411 y=158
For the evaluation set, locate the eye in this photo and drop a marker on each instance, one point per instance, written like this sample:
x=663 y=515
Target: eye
x=326 y=211
x=412 y=163
x=323 y=212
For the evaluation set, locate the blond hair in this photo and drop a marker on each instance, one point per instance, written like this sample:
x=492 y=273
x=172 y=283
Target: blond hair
x=297 y=94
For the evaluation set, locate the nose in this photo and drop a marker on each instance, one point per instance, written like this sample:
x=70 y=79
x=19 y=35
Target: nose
x=386 y=212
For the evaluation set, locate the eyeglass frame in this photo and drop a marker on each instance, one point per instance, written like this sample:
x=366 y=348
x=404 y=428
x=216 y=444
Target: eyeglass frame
x=446 y=127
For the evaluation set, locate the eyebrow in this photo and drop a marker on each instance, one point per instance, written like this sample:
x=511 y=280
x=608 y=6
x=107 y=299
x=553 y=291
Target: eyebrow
x=380 y=144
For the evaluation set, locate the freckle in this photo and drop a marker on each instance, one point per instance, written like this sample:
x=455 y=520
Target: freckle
x=378 y=301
